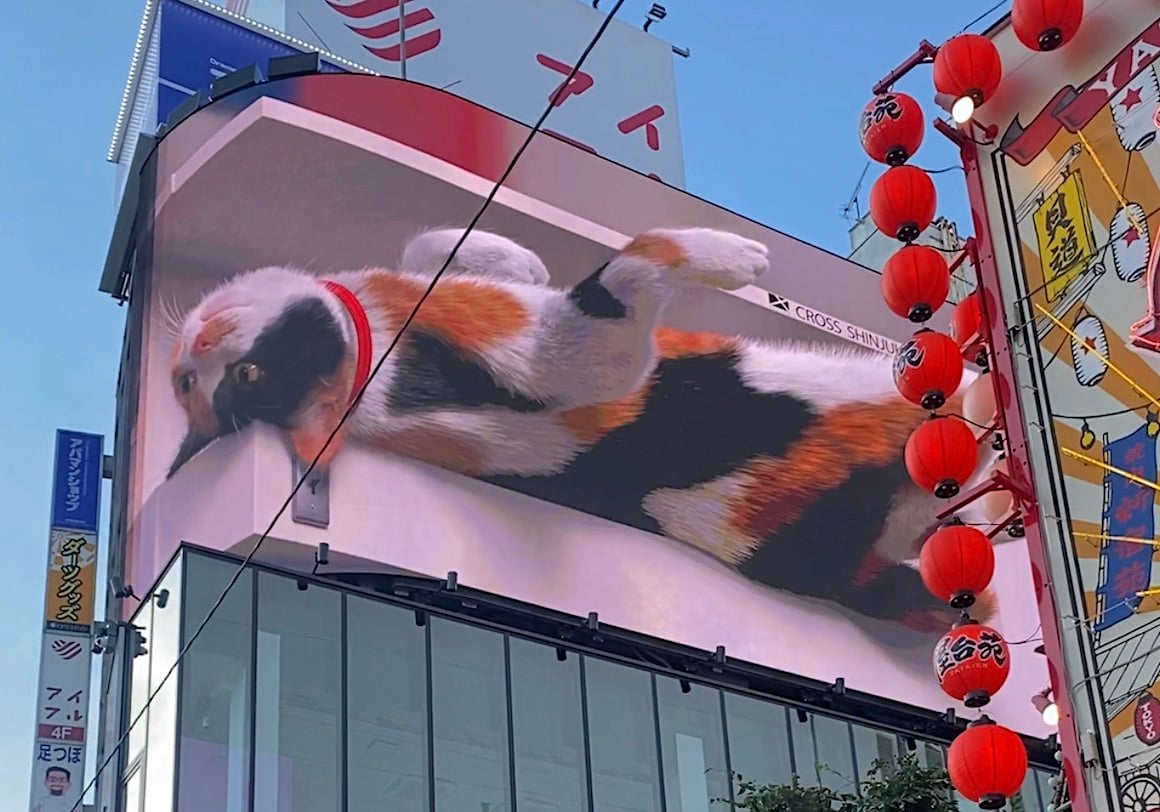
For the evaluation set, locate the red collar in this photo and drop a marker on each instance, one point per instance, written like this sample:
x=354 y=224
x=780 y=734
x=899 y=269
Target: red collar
x=362 y=336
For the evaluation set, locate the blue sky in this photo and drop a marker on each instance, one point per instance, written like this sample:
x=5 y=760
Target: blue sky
x=769 y=104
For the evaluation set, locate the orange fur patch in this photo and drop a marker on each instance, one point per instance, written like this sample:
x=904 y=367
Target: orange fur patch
x=468 y=314
x=656 y=248
x=860 y=435
x=449 y=450
x=673 y=343
x=212 y=333
x=590 y=423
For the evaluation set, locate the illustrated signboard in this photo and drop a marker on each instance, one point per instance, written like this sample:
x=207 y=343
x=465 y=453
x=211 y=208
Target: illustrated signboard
x=512 y=56
x=1074 y=183
x=70 y=595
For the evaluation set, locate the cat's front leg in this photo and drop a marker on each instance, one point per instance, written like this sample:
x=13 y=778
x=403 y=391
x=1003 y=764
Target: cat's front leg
x=481 y=254
x=685 y=256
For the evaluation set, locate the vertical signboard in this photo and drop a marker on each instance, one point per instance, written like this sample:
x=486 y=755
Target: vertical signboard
x=1074 y=181
x=63 y=690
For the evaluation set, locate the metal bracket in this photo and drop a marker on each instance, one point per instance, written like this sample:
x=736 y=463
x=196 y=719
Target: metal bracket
x=311 y=504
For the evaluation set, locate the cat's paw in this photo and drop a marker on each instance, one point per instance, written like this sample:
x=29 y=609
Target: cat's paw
x=481 y=254
x=720 y=259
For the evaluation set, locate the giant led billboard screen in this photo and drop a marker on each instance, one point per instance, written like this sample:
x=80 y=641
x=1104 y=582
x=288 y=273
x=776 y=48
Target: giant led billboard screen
x=619 y=399
x=1073 y=185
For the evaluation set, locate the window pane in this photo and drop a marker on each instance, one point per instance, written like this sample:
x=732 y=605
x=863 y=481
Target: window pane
x=131 y=798
x=215 y=689
x=469 y=703
x=1027 y=800
x=387 y=708
x=693 y=746
x=164 y=645
x=822 y=751
x=139 y=689
x=871 y=745
x=758 y=740
x=622 y=738
x=296 y=732
x=547 y=729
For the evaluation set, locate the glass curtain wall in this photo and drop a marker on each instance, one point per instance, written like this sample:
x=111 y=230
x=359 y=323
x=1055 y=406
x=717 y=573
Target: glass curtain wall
x=318 y=699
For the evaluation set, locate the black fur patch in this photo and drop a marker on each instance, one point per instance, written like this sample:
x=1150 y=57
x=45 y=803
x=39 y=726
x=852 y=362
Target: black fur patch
x=821 y=554
x=432 y=375
x=294 y=354
x=700 y=421
x=593 y=299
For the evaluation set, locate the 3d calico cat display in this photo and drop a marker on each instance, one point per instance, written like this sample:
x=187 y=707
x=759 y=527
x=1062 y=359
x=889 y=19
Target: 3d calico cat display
x=781 y=460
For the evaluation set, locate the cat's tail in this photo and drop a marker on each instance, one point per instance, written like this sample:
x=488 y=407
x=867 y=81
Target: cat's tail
x=895 y=592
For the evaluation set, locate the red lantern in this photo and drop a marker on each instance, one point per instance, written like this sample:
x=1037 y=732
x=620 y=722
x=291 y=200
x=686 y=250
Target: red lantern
x=928 y=369
x=972 y=662
x=968 y=65
x=1146 y=719
x=1044 y=25
x=903 y=202
x=891 y=128
x=987 y=763
x=915 y=282
x=941 y=454
x=966 y=319
x=956 y=564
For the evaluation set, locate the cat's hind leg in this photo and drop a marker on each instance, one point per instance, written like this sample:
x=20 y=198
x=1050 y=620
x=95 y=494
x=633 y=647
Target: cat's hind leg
x=482 y=254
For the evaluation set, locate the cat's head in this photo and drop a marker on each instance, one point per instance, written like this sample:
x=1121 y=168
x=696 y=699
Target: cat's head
x=269 y=346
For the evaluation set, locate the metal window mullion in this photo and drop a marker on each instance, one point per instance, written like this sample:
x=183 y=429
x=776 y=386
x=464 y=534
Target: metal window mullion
x=725 y=742
x=511 y=734
x=252 y=701
x=343 y=704
x=430 y=717
x=585 y=732
x=660 y=754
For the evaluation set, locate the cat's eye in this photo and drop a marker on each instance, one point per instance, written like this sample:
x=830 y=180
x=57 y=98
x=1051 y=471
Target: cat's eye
x=185 y=382
x=247 y=373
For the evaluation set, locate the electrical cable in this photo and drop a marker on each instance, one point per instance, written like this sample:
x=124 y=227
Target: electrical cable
x=353 y=404
x=985 y=14
x=1116 y=413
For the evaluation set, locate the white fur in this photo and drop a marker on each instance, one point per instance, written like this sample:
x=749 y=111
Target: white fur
x=482 y=254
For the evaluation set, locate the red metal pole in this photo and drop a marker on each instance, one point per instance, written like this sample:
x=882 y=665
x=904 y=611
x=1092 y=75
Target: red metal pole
x=1019 y=467
x=925 y=53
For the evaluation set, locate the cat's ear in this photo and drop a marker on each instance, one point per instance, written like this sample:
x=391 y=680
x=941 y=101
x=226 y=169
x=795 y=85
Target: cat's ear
x=311 y=431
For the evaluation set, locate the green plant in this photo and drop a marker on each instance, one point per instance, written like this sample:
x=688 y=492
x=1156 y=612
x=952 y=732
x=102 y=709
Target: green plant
x=905 y=785
x=792 y=797
x=895 y=785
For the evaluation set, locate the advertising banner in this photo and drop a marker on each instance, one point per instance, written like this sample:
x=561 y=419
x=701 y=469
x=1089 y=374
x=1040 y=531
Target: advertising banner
x=512 y=56
x=602 y=406
x=1074 y=185
x=197 y=47
x=70 y=595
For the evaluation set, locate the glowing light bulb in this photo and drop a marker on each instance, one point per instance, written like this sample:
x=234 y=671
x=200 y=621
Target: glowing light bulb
x=963 y=109
x=1153 y=424
x=1087 y=437
x=1051 y=715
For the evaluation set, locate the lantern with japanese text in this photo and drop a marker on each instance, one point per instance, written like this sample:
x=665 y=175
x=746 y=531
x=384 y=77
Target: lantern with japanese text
x=1146 y=719
x=987 y=763
x=915 y=282
x=941 y=454
x=956 y=564
x=1044 y=25
x=891 y=128
x=967 y=68
x=903 y=202
x=928 y=369
x=972 y=662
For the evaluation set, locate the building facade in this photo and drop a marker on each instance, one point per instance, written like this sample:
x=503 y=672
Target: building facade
x=315 y=694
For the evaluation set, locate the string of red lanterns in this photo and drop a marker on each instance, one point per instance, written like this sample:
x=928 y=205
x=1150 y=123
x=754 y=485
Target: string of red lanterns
x=987 y=762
